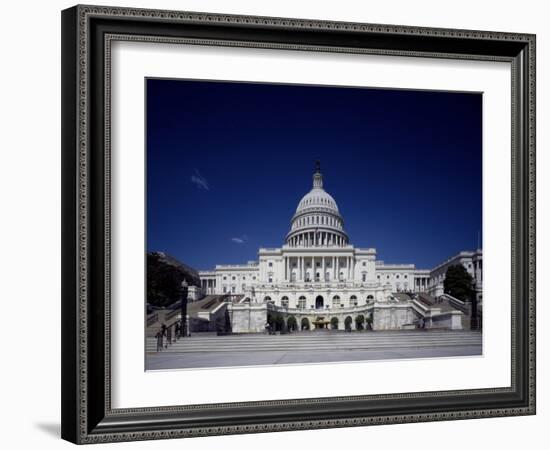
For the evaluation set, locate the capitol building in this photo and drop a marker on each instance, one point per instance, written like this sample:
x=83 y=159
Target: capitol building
x=319 y=278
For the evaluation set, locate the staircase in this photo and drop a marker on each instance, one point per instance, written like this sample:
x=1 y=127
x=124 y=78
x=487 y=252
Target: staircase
x=318 y=342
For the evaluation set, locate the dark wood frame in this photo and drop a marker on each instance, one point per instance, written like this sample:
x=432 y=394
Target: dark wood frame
x=87 y=416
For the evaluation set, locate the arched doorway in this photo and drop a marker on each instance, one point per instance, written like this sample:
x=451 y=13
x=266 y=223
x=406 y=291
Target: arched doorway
x=319 y=302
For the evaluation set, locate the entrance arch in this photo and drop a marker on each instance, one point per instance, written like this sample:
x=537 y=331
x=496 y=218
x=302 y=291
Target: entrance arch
x=319 y=302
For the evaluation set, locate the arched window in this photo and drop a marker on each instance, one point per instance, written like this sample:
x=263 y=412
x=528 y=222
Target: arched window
x=302 y=302
x=336 y=302
x=353 y=300
x=267 y=299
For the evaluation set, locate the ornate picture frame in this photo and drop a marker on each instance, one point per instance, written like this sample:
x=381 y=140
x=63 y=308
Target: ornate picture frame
x=87 y=35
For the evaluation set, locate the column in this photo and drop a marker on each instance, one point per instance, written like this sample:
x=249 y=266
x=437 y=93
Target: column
x=337 y=268
x=286 y=269
x=323 y=276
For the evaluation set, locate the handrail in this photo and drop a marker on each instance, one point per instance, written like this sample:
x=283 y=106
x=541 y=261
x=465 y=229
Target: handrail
x=152 y=318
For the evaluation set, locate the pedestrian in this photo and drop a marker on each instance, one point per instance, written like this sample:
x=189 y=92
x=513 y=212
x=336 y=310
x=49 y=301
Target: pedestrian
x=159 y=341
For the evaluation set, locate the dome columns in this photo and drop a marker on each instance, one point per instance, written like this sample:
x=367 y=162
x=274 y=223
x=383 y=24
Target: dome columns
x=317 y=238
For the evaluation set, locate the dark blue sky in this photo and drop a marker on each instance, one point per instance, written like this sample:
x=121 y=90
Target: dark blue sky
x=227 y=164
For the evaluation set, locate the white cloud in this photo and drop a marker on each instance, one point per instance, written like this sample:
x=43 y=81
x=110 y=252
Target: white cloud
x=239 y=240
x=200 y=181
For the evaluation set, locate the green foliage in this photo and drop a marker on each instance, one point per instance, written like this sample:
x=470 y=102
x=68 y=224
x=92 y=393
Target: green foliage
x=291 y=323
x=369 y=321
x=279 y=323
x=163 y=281
x=334 y=323
x=359 y=321
x=458 y=282
x=348 y=322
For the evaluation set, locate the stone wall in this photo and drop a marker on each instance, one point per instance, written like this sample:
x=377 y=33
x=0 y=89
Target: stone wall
x=248 y=317
x=391 y=316
x=450 y=320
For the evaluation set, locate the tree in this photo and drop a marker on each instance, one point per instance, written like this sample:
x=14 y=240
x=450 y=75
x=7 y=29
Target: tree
x=359 y=321
x=369 y=321
x=163 y=281
x=458 y=283
x=334 y=323
x=347 y=323
x=291 y=323
x=279 y=323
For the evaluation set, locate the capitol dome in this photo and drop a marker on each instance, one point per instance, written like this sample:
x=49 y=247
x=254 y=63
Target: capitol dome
x=317 y=198
x=317 y=221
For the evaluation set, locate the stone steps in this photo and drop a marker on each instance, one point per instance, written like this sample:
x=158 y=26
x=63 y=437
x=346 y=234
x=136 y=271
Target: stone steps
x=319 y=342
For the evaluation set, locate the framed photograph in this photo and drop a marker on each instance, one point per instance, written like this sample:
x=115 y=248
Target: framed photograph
x=280 y=224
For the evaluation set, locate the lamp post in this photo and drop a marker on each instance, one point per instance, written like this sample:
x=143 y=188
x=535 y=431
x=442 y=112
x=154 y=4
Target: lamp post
x=473 y=305
x=184 y=293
